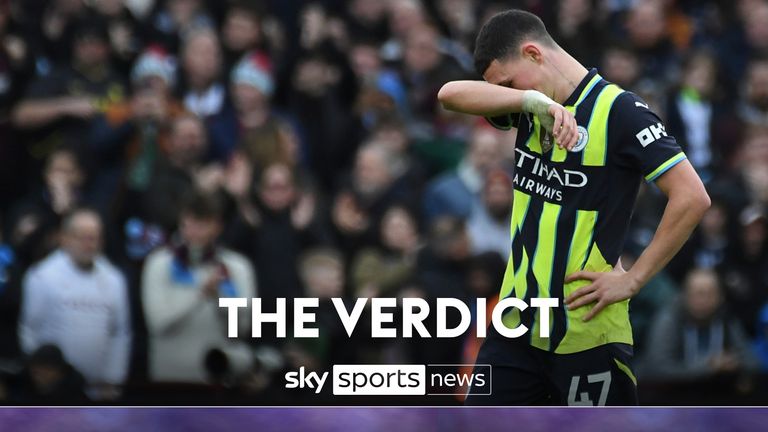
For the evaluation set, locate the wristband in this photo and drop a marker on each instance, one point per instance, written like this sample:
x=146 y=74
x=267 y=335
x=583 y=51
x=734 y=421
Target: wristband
x=538 y=103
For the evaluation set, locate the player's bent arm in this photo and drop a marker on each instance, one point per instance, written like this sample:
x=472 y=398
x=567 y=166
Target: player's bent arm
x=687 y=202
x=480 y=98
x=490 y=100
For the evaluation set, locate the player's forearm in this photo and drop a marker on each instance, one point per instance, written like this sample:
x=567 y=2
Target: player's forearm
x=683 y=212
x=480 y=98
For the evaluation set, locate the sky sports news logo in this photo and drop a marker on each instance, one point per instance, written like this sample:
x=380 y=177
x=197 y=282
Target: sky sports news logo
x=395 y=380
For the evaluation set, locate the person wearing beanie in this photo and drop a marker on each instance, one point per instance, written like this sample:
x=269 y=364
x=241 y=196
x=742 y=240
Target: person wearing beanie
x=155 y=68
x=255 y=71
x=141 y=133
x=249 y=125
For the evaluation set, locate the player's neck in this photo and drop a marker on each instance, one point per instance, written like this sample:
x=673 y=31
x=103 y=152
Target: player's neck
x=567 y=73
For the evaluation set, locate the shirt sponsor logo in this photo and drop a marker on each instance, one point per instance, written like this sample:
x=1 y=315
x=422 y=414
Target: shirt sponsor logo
x=651 y=134
x=532 y=170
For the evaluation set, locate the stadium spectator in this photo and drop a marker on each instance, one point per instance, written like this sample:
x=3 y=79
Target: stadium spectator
x=367 y=19
x=691 y=113
x=455 y=193
x=709 y=246
x=646 y=305
x=155 y=69
x=250 y=125
x=441 y=272
x=620 y=65
x=322 y=104
x=38 y=216
x=48 y=379
x=322 y=273
x=242 y=33
x=384 y=270
x=695 y=337
x=578 y=30
x=647 y=32
x=202 y=62
x=424 y=69
x=132 y=135
x=181 y=285
x=460 y=22
x=754 y=105
x=282 y=213
x=150 y=215
x=368 y=191
x=57 y=107
x=403 y=16
x=746 y=282
x=411 y=172
x=77 y=300
x=123 y=30
x=320 y=29
x=488 y=223
x=381 y=93
x=172 y=20
x=752 y=177
x=756 y=27
x=52 y=32
x=484 y=275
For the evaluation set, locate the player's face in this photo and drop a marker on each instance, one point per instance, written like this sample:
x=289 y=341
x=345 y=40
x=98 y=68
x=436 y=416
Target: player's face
x=514 y=72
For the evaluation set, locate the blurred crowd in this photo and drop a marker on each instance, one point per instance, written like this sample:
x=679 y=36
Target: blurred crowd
x=156 y=155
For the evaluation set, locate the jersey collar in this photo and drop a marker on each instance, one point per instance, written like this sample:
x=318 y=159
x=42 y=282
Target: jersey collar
x=582 y=90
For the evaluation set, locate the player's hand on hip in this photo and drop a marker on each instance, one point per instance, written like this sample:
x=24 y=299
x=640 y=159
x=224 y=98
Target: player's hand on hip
x=564 y=127
x=606 y=289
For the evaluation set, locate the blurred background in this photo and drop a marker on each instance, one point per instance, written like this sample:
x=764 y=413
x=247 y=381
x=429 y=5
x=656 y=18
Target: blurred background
x=158 y=154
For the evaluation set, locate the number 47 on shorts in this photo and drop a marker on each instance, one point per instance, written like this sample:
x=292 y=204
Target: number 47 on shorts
x=603 y=378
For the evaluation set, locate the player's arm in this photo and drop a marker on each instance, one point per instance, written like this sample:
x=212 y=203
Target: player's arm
x=482 y=98
x=490 y=100
x=687 y=202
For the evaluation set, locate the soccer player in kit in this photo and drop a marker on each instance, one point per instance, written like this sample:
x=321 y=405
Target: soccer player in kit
x=583 y=147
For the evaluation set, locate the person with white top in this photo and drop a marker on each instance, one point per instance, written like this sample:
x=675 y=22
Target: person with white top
x=76 y=300
x=181 y=286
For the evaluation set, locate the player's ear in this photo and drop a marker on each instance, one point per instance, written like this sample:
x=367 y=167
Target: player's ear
x=531 y=52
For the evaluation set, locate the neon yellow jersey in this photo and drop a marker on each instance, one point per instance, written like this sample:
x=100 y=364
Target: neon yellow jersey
x=572 y=209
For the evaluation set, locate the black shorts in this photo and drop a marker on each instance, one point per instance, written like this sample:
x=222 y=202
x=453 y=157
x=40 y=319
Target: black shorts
x=524 y=375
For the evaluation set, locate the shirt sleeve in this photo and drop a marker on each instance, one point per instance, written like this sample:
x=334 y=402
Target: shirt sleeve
x=642 y=143
x=505 y=122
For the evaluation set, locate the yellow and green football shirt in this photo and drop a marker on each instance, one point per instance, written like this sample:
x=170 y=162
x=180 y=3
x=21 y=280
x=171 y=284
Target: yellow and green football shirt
x=572 y=209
